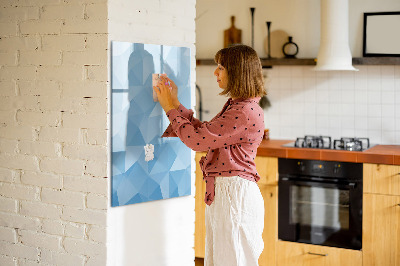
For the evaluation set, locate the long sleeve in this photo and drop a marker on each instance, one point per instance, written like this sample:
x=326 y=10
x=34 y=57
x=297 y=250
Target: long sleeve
x=222 y=131
x=231 y=139
x=186 y=113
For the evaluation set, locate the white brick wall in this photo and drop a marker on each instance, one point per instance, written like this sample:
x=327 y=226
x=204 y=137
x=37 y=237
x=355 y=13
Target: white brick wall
x=75 y=230
x=61 y=258
x=53 y=227
x=54 y=84
x=8 y=234
x=53 y=128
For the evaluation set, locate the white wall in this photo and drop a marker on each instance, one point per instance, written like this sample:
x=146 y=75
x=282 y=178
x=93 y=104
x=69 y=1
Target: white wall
x=338 y=104
x=159 y=232
x=53 y=137
x=299 y=18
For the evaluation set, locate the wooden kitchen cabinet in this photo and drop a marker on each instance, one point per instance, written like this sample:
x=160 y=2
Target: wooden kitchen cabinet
x=267 y=168
x=270 y=233
x=381 y=215
x=200 y=207
x=298 y=254
x=381 y=230
x=381 y=179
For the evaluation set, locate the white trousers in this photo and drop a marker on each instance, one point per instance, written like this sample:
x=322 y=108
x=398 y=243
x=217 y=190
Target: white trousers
x=234 y=223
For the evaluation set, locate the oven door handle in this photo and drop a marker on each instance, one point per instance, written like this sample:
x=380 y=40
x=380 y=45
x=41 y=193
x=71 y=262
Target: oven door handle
x=297 y=181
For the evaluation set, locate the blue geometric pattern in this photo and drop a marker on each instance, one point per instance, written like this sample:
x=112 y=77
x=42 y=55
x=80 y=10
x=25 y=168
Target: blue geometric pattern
x=136 y=120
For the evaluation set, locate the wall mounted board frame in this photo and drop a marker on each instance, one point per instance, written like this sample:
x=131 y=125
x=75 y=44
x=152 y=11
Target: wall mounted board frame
x=138 y=122
x=381 y=36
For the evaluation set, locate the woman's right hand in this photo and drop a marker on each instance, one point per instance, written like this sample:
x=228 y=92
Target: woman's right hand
x=174 y=91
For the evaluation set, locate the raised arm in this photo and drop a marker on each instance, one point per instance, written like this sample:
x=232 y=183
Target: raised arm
x=187 y=113
x=223 y=131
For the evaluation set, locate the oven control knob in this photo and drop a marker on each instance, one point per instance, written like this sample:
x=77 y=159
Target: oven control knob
x=302 y=167
x=336 y=169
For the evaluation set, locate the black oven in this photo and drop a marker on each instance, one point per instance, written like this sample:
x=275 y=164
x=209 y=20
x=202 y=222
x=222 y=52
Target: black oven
x=320 y=202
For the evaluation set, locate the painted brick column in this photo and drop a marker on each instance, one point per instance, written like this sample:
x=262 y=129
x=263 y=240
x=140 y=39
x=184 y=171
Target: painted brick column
x=158 y=232
x=54 y=135
x=53 y=132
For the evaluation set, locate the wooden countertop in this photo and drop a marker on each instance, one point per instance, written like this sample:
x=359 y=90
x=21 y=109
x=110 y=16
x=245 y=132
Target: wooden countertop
x=379 y=154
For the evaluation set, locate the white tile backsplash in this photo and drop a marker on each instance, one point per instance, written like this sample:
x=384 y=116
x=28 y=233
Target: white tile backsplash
x=397 y=110
x=387 y=71
x=361 y=125
x=374 y=97
x=374 y=123
x=348 y=96
x=388 y=111
x=360 y=97
x=387 y=124
x=335 y=95
x=388 y=83
x=364 y=103
x=397 y=72
x=347 y=110
x=322 y=109
x=374 y=110
x=388 y=97
x=374 y=83
x=374 y=136
x=389 y=135
x=322 y=95
x=361 y=110
x=322 y=121
x=348 y=123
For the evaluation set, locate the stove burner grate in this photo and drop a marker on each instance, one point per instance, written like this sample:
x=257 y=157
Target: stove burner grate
x=351 y=144
x=324 y=142
x=321 y=142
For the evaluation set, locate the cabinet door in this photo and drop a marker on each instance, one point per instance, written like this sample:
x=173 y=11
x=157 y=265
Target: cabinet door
x=270 y=233
x=267 y=168
x=200 y=207
x=381 y=230
x=381 y=179
x=297 y=254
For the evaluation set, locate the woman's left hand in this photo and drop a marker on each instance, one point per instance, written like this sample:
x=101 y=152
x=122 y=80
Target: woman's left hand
x=163 y=91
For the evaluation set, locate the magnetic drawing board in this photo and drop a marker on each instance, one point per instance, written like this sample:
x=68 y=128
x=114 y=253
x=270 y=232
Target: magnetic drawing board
x=136 y=121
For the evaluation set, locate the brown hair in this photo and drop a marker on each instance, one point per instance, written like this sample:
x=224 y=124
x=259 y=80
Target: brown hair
x=245 y=78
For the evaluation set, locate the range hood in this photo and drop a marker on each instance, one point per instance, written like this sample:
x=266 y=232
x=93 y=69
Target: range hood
x=334 y=51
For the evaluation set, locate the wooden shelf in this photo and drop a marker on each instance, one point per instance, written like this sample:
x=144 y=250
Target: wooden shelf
x=268 y=63
x=312 y=61
x=376 y=61
x=288 y=62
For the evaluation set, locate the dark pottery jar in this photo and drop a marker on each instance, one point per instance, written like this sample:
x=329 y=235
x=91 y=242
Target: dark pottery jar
x=290 y=49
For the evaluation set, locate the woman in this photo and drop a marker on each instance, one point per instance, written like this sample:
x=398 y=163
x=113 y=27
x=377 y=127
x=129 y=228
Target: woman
x=235 y=207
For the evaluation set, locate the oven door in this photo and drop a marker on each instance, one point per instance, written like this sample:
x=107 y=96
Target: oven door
x=321 y=212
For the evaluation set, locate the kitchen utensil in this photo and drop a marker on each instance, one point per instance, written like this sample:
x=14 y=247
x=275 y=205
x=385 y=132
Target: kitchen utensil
x=269 y=38
x=252 y=9
x=232 y=35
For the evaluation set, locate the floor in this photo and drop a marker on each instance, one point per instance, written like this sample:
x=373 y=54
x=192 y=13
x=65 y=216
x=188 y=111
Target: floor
x=199 y=262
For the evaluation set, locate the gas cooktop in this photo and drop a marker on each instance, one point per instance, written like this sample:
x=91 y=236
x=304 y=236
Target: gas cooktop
x=325 y=142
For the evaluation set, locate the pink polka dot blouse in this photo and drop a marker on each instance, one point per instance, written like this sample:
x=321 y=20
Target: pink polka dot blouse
x=231 y=139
